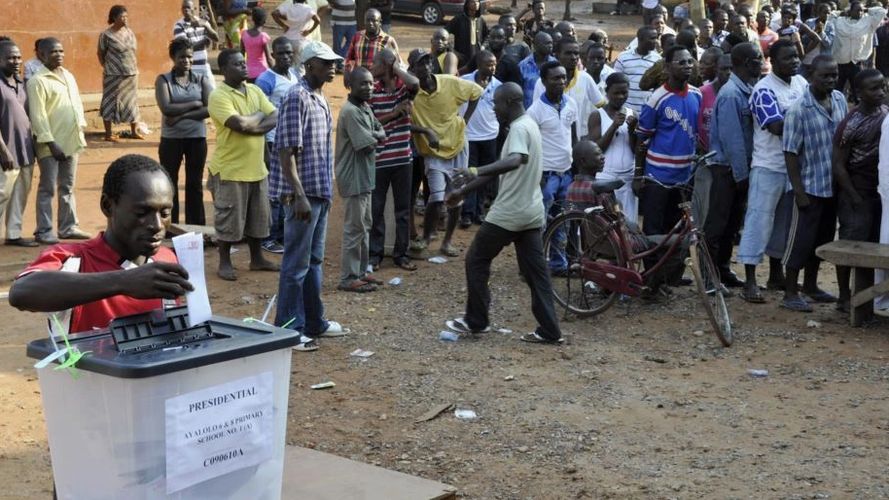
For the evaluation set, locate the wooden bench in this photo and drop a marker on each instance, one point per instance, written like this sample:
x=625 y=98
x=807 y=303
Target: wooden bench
x=863 y=258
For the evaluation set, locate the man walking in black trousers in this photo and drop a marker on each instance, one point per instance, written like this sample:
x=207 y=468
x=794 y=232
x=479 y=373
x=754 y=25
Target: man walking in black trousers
x=515 y=217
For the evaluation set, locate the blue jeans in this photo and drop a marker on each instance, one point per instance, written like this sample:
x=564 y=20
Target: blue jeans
x=555 y=188
x=276 y=221
x=768 y=216
x=342 y=36
x=299 y=287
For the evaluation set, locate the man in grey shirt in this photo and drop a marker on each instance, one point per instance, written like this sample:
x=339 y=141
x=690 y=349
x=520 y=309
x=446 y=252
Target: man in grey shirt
x=516 y=216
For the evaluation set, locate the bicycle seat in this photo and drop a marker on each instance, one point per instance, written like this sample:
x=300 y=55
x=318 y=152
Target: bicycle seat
x=600 y=187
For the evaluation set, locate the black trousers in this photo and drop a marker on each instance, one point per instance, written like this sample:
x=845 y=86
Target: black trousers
x=487 y=244
x=170 y=153
x=810 y=228
x=659 y=208
x=725 y=214
x=481 y=153
x=399 y=178
x=847 y=74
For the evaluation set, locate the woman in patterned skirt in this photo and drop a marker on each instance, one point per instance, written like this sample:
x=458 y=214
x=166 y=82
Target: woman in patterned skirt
x=117 y=55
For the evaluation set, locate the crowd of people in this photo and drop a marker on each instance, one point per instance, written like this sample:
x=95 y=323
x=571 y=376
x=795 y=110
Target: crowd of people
x=496 y=125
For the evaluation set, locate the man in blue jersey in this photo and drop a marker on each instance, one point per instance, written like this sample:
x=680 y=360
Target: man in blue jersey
x=667 y=132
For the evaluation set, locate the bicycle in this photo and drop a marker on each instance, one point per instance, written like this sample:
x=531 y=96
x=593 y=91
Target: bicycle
x=603 y=263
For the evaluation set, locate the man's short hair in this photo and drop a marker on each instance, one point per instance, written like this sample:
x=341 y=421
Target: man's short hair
x=484 y=54
x=504 y=17
x=547 y=67
x=281 y=40
x=645 y=29
x=594 y=45
x=670 y=54
x=780 y=45
x=225 y=56
x=47 y=43
x=115 y=179
x=863 y=76
x=565 y=40
x=821 y=60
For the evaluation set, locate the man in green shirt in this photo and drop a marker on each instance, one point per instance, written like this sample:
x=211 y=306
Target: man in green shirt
x=238 y=178
x=516 y=216
x=357 y=134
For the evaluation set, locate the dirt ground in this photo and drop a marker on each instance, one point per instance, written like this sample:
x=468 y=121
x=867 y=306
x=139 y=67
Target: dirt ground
x=641 y=402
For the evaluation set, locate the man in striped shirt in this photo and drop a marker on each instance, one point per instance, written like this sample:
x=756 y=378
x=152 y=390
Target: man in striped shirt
x=634 y=64
x=393 y=92
x=200 y=33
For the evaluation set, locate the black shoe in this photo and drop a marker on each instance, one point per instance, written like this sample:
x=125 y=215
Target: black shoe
x=465 y=222
x=730 y=279
x=22 y=242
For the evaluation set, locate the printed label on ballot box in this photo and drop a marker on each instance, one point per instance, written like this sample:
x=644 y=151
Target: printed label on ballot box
x=218 y=430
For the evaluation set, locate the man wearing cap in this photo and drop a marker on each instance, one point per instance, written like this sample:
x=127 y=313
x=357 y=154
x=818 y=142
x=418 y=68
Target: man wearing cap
x=302 y=178
x=238 y=180
x=435 y=109
x=366 y=43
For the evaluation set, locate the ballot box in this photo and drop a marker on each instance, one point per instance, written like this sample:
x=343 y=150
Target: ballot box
x=158 y=409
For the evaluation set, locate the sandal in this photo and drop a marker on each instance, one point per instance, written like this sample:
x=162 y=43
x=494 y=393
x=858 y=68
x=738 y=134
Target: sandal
x=357 y=286
x=406 y=264
x=449 y=251
x=370 y=278
x=754 y=298
x=797 y=304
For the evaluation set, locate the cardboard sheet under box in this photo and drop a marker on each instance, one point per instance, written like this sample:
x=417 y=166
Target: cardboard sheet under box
x=322 y=476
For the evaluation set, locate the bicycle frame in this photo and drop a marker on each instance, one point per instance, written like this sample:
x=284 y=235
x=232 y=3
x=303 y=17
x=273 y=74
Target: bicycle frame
x=629 y=279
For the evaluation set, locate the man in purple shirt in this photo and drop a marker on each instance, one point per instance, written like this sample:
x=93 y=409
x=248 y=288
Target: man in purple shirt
x=16 y=145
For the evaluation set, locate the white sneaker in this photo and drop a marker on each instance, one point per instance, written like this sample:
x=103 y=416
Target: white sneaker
x=334 y=329
x=306 y=344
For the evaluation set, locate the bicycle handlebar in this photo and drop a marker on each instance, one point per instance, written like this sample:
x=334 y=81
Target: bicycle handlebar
x=696 y=162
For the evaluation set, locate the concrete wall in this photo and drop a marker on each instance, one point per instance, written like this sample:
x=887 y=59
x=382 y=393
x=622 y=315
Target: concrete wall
x=77 y=23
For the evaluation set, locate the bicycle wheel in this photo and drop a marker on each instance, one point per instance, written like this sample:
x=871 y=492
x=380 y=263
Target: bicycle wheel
x=711 y=291
x=571 y=239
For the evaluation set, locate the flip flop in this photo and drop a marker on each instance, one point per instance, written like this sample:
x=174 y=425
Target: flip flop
x=755 y=298
x=797 y=304
x=406 y=264
x=449 y=251
x=227 y=275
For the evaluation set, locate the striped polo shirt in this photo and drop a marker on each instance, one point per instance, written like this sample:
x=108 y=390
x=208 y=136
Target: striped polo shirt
x=396 y=150
x=342 y=13
x=634 y=66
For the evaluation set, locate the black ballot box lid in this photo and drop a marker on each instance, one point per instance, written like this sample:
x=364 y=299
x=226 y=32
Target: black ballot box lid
x=160 y=342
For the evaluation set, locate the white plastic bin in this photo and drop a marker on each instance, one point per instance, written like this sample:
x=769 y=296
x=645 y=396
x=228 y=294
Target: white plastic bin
x=113 y=428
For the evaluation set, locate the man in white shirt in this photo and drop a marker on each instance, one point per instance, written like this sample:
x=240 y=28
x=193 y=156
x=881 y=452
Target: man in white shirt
x=481 y=132
x=768 y=204
x=596 y=64
x=581 y=86
x=853 y=41
x=634 y=64
x=556 y=114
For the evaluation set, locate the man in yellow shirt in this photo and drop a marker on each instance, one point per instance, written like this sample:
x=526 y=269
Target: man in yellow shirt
x=238 y=181
x=57 y=122
x=440 y=137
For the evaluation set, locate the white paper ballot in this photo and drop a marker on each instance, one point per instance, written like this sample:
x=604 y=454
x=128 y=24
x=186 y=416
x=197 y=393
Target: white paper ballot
x=190 y=252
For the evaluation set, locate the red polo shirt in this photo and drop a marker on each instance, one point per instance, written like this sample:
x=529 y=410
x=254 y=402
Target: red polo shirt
x=97 y=256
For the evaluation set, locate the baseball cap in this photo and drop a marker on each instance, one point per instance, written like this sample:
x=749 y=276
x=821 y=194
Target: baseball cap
x=416 y=56
x=320 y=50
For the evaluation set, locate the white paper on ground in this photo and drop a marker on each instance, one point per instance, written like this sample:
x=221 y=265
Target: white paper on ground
x=190 y=252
